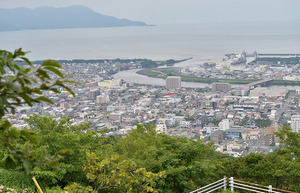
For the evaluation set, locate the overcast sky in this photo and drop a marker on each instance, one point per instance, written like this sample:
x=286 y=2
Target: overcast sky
x=179 y=11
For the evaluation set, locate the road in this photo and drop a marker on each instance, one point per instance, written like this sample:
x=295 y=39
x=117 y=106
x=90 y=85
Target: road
x=285 y=105
x=255 y=144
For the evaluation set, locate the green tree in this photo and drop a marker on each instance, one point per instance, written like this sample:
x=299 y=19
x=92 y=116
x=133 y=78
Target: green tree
x=115 y=175
x=244 y=121
x=227 y=103
x=291 y=141
x=170 y=62
x=62 y=149
x=215 y=121
x=263 y=123
x=279 y=169
x=276 y=169
x=23 y=85
x=148 y=64
x=187 y=163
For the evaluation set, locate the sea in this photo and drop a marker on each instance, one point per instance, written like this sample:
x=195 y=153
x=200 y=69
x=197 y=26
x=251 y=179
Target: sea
x=170 y=41
x=203 y=42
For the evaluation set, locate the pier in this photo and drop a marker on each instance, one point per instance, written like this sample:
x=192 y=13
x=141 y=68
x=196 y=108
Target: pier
x=255 y=55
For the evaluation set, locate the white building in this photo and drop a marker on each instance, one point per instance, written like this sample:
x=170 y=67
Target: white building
x=161 y=126
x=295 y=123
x=224 y=125
x=184 y=124
x=103 y=98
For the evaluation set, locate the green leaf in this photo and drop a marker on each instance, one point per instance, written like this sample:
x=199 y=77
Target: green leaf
x=44 y=99
x=15 y=87
x=28 y=166
x=54 y=70
x=44 y=87
x=17 y=53
x=59 y=83
x=55 y=90
x=42 y=74
x=27 y=61
x=17 y=67
x=10 y=78
x=27 y=99
x=71 y=81
x=52 y=63
x=10 y=162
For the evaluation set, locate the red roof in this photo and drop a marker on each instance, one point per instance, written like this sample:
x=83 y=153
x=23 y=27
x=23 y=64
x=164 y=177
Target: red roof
x=171 y=94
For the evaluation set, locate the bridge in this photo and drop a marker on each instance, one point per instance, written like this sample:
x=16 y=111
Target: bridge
x=259 y=82
x=253 y=84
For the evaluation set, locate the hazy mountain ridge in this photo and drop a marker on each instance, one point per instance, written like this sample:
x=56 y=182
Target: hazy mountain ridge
x=58 y=18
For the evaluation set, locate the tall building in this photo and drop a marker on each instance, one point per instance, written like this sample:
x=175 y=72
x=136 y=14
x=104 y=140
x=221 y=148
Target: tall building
x=221 y=87
x=173 y=82
x=271 y=131
x=269 y=139
x=93 y=94
x=295 y=123
x=103 y=98
x=161 y=126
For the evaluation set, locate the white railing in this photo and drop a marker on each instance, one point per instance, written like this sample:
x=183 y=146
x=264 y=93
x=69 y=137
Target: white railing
x=215 y=185
x=238 y=184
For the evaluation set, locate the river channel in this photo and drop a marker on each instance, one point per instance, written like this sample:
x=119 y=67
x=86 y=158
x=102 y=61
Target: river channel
x=132 y=76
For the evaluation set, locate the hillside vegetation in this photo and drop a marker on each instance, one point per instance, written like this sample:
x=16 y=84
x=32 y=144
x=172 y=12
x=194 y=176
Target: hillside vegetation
x=144 y=161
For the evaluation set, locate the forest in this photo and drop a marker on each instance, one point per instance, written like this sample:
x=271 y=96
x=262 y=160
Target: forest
x=62 y=156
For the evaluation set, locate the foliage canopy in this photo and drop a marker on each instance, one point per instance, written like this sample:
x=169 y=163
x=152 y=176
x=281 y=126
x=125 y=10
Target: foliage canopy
x=24 y=85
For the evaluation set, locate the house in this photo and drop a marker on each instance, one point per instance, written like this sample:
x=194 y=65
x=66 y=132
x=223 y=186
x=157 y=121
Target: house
x=233 y=134
x=217 y=136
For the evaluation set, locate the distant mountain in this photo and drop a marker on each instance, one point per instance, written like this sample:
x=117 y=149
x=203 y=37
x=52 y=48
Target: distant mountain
x=58 y=18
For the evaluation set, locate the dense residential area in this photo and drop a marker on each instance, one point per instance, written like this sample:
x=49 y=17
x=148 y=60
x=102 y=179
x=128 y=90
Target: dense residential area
x=237 y=119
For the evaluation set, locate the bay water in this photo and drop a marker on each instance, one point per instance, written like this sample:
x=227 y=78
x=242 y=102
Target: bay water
x=204 y=42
